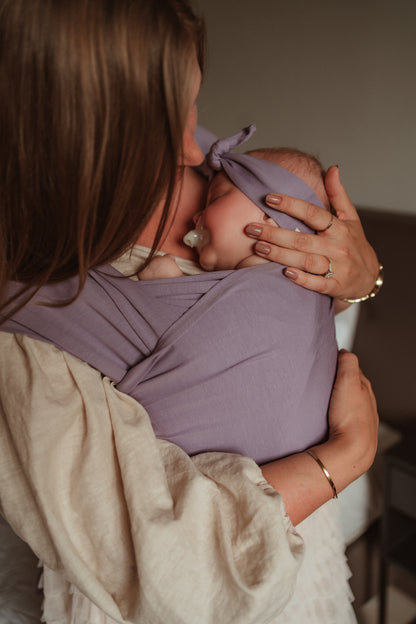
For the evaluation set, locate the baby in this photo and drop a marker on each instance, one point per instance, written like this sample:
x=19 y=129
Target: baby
x=219 y=236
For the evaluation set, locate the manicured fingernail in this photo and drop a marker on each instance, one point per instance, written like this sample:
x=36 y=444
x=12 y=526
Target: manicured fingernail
x=253 y=230
x=262 y=249
x=290 y=273
x=273 y=199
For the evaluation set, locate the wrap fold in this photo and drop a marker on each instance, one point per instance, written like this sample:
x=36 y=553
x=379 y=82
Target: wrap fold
x=237 y=361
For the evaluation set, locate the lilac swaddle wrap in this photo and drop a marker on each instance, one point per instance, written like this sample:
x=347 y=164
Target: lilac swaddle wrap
x=239 y=361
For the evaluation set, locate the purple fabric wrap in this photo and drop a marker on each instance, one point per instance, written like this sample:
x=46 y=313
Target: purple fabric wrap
x=257 y=177
x=239 y=361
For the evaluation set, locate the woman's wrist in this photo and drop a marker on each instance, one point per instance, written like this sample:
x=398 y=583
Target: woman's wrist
x=302 y=482
x=325 y=472
x=378 y=283
x=345 y=459
x=299 y=481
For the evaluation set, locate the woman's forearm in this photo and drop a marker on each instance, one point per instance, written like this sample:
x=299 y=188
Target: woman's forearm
x=298 y=481
x=302 y=483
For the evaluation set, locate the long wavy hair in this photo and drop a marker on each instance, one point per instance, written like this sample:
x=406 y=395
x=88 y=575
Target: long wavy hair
x=94 y=96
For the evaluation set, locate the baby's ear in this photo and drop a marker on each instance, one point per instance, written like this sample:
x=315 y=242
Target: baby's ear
x=270 y=221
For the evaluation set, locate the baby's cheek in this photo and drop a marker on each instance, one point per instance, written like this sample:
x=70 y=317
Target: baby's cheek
x=208 y=258
x=242 y=246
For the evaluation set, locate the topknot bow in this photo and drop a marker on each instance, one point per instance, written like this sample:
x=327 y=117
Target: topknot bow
x=223 y=146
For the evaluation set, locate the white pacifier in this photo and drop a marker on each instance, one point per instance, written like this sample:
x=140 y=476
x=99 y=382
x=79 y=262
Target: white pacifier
x=196 y=238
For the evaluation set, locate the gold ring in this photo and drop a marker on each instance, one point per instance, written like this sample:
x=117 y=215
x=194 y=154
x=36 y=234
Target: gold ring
x=329 y=224
x=329 y=273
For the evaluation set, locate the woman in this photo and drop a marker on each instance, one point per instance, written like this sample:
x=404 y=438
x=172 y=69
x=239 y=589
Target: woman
x=98 y=113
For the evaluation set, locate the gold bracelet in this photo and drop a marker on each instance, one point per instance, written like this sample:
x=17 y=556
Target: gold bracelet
x=377 y=286
x=325 y=471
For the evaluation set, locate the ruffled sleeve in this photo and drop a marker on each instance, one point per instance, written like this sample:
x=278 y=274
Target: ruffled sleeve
x=143 y=530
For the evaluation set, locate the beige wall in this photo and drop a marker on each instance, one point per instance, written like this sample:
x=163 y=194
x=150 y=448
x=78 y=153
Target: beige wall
x=335 y=77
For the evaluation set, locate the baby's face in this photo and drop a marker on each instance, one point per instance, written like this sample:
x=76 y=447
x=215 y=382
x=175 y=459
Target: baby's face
x=224 y=218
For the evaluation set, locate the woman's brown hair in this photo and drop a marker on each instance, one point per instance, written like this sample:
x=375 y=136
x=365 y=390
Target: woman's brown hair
x=94 y=96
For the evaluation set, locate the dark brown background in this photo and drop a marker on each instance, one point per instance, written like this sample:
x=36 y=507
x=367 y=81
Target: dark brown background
x=386 y=332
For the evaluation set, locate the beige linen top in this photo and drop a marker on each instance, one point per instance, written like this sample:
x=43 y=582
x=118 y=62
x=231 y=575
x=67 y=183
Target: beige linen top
x=148 y=533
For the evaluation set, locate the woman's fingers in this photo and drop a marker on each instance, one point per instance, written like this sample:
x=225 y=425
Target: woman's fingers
x=356 y=389
x=318 y=283
x=301 y=242
x=341 y=203
x=348 y=366
x=337 y=261
x=353 y=408
x=308 y=258
x=316 y=217
x=325 y=286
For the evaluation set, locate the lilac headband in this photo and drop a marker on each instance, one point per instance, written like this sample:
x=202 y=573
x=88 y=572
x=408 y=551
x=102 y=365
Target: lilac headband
x=256 y=177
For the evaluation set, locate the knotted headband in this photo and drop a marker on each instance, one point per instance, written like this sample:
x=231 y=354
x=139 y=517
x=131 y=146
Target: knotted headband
x=256 y=177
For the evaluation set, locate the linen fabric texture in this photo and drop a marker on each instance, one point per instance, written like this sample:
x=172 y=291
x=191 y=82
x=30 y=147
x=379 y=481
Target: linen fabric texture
x=137 y=526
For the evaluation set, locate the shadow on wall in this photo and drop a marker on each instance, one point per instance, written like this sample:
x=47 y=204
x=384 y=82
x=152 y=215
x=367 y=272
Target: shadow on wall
x=386 y=333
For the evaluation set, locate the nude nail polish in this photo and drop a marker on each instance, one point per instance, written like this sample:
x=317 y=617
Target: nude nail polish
x=262 y=249
x=253 y=230
x=290 y=273
x=273 y=199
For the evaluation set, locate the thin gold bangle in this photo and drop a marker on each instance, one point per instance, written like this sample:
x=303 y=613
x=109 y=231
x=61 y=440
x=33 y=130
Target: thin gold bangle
x=325 y=471
x=376 y=289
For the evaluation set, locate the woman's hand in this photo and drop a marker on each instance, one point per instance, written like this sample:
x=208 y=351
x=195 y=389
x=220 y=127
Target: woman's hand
x=353 y=423
x=348 y=453
x=340 y=247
